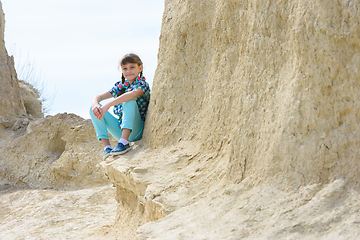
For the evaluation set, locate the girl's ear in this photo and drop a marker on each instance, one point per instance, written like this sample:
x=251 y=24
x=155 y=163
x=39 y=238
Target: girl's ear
x=141 y=68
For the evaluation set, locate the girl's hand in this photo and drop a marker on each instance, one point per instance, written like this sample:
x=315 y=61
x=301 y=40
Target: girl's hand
x=103 y=110
x=96 y=109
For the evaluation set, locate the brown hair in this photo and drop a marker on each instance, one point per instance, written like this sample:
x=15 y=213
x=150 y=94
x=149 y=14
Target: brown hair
x=129 y=58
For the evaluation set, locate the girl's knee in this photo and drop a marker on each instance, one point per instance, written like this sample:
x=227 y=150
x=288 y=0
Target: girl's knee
x=130 y=102
x=90 y=111
x=130 y=106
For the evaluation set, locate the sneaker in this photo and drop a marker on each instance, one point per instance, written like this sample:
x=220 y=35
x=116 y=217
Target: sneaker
x=120 y=149
x=106 y=153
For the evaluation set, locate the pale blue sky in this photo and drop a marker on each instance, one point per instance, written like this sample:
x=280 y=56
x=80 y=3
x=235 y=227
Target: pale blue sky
x=75 y=45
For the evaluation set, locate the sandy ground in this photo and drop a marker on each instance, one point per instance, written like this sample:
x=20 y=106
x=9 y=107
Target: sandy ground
x=27 y=213
x=50 y=214
x=264 y=212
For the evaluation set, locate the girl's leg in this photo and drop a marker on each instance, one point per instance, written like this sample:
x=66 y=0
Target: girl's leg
x=105 y=142
x=132 y=127
x=108 y=123
x=132 y=121
x=126 y=133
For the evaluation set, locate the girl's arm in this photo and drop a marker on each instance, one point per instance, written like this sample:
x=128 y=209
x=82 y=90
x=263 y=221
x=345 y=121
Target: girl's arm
x=122 y=98
x=96 y=108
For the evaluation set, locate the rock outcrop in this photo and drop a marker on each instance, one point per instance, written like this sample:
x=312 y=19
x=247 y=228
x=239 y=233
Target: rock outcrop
x=273 y=85
x=54 y=152
x=11 y=104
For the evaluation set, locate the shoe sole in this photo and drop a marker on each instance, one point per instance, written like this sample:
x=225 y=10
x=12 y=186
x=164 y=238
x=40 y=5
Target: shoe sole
x=109 y=160
x=106 y=156
x=120 y=153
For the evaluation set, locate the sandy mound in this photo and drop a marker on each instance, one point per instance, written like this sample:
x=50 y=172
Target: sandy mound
x=53 y=152
x=31 y=96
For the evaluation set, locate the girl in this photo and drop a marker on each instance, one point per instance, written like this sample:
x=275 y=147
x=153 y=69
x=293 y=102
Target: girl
x=131 y=100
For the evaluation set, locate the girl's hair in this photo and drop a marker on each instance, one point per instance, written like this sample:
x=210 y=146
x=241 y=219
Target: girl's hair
x=129 y=58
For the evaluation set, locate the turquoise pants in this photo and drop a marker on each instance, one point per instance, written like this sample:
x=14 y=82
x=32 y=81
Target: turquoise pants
x=131 y=120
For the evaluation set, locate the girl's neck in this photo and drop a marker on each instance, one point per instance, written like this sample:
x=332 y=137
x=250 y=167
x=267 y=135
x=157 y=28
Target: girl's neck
x=131 y=81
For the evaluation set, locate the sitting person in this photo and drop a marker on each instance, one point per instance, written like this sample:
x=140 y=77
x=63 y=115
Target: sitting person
x=131 y=100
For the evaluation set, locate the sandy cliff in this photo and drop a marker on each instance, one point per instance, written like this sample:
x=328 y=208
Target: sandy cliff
x=268 y=93
x=252 y=133
x=274 y=85
x=11 y=104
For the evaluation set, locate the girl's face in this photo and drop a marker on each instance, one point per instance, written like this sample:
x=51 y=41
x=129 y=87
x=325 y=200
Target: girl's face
x=131 y=71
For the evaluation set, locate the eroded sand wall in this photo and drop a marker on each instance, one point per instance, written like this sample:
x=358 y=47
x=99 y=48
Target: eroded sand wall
x=11 y=104
x=273 y=85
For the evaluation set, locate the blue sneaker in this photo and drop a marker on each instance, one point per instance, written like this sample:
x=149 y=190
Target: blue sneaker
x=120 y=149
x=106 y=153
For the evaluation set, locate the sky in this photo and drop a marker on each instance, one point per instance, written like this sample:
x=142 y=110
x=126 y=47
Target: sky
x=70 y=49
